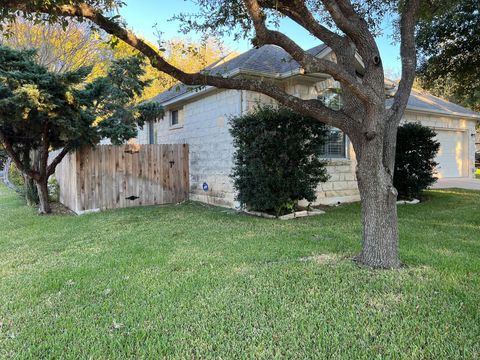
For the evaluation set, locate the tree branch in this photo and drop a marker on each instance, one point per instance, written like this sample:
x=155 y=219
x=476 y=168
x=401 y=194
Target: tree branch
x=299 y=13
x=314 y=108
x=355 y=27
x=310 y=63
x=400 y=101
x=14 y=156
x=409 y=60
x=56 y=161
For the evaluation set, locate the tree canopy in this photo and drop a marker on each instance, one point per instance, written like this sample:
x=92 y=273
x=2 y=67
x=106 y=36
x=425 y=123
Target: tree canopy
x=59 y=48
x=449 y=46
x=72 y=44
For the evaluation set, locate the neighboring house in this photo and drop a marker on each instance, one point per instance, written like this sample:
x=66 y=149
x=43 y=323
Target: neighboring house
x=200 y=116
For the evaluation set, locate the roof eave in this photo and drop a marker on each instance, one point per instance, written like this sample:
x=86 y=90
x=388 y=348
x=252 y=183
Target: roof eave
x=440 y=112
x=187 y=96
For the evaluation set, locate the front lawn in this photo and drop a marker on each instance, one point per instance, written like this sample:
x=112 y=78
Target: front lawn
x=189 y=281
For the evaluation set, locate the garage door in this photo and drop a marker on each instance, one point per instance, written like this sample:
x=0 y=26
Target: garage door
x=452 y=156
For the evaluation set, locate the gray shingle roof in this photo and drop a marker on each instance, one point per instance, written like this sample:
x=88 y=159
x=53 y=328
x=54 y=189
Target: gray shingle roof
x=270 y=59
x=421 y=100
x=273 y=60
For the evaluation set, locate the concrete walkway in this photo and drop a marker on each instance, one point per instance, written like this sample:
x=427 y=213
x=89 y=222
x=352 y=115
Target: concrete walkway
x=461 y=183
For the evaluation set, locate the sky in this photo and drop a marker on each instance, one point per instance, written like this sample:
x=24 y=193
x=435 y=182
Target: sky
x=143 y=15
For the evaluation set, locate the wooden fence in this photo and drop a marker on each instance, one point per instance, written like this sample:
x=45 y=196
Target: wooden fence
x=108 y=177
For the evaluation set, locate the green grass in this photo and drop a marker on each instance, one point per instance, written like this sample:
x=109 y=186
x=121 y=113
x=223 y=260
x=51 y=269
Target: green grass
x=189 y=281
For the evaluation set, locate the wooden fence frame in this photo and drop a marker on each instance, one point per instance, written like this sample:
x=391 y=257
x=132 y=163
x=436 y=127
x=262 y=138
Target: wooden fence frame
x=109 y=177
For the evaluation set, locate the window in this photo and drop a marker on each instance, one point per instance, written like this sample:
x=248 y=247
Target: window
x=336 y=141
x=335 y=144
x=174 y=121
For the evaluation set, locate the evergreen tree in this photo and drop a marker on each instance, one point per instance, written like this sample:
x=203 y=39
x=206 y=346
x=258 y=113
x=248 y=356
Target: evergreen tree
x=41 y=111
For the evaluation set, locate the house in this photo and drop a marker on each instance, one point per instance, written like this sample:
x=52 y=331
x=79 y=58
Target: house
x=200 y=116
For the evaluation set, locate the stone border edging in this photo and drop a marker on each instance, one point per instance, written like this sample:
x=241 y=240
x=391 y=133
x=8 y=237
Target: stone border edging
x=412 y=202
x=294 y=215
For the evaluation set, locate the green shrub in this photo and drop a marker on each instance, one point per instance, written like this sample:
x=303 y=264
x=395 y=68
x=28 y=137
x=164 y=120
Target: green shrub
x=414 y=160
x=15 y=177
x=53 y=189
x=277 y=159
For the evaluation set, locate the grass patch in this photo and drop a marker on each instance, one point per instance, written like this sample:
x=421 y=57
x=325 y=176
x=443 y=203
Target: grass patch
x=189 y=281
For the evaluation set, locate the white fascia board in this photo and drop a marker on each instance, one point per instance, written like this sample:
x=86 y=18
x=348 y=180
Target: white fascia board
x=418 y=110
x=188 y=95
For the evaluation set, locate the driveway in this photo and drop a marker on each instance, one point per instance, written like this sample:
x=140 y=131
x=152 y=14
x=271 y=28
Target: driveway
x=461 y=183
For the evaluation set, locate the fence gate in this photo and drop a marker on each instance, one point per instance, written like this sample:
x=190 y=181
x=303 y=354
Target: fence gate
x=109 y=177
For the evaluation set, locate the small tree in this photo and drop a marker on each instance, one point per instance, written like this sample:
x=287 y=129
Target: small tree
x=277 y=159
x=415 y=160
x=41 y=111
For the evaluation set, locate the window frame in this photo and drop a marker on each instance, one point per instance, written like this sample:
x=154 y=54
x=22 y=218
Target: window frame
x=344 y=146
x=171 y=117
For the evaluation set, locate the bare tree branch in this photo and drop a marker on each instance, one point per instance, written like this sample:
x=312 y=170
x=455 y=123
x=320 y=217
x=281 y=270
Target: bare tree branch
x=409 y=60
x=342 y=47
x=56 y=161
x=310 y=63
x=298 y=12
x=355 y=27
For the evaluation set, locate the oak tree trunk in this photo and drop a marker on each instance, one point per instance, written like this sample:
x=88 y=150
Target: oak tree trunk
x=44 y=204
x=378 y=204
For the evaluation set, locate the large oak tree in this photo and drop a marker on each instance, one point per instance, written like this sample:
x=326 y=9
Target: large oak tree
x=348 y=28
